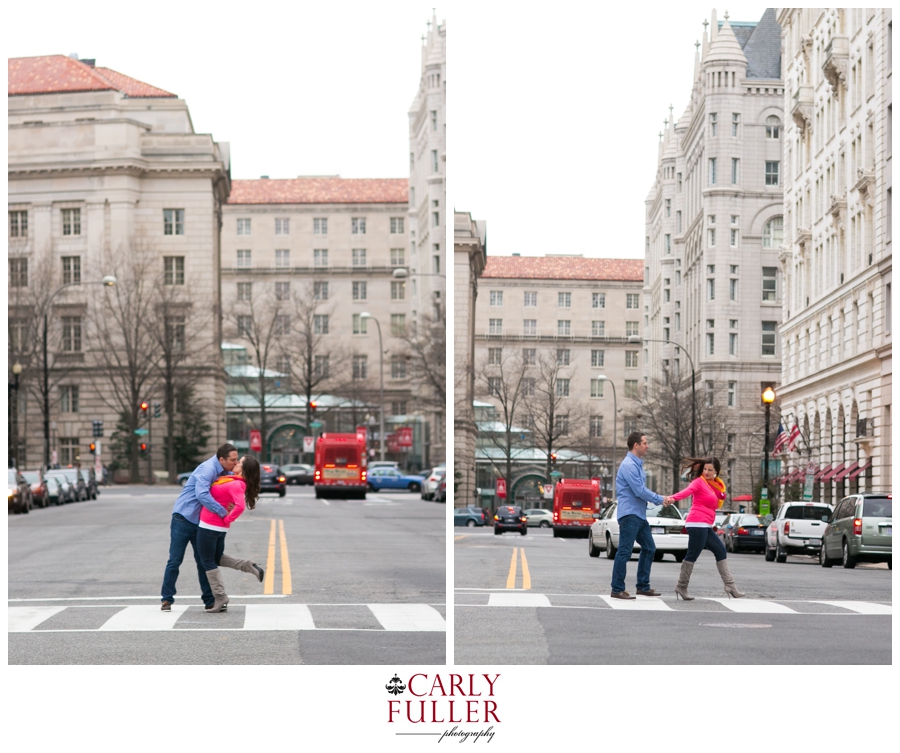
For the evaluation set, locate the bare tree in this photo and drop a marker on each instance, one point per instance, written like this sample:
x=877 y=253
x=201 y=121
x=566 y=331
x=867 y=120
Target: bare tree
x=427 y=348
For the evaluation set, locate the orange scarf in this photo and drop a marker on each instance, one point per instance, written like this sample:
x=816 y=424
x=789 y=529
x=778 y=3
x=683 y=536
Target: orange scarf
x=718 y=486
x=226 y=479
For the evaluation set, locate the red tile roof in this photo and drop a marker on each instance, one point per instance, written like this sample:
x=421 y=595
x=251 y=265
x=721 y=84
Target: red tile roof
x=320 y=191
x=51 y=74
x=563 y=268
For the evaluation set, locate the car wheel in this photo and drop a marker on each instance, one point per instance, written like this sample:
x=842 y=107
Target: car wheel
x=780 y=554
x=890 y=562
x=282 y=492
x=658 y=556
x=593 y=551
x=610 y=549
x=847 y=560
x=823 y=559
x=679 y=556
x=734 y=547
x=497 y=531
x=544 y=524
x=524 y=531
x=470 y=523
x=414 y=487
x=728 y=546
x=770 y=555
x=182 y=482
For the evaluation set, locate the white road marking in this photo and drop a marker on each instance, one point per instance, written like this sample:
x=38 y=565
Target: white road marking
x=129 y=598
x=144 y=618
x=278 y=617
x=861 y=607
x=754 y=606
x=517 y=599
x=640 y=604
x=408 y=617
x=23 y=619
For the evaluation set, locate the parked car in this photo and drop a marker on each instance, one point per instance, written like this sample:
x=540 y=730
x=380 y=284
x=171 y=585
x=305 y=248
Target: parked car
x=441 y=494
x=73 y=490
x=300 y=474
x=468 y=516
x=384 y=464
x=271 y=479
x=666 y=527
x=18 y=492
x=538 y=517
x=39 y=492
x=720 y=517
x=90 y=481
x=743 y=531
x=183 y=477
x=797 y=529
x=56 y=491
x=391 y=478
x=510 y=518
x=859 y=530
x=430 y=485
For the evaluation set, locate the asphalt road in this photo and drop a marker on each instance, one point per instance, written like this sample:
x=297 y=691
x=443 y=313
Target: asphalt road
x=538 y=600
x=348 y=582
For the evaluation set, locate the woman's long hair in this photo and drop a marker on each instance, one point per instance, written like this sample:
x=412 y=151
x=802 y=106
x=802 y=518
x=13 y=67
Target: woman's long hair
x=696 y=465
x=250 y=472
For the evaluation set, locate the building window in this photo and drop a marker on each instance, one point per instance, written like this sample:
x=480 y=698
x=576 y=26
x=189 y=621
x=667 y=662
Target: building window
x=320 y=291
x=710 y=344
x=283 y=365
x=732 y=289
x=561 y=423
x=175 y=332
x=434 y=161
x=768 y=338
x=528 y=387
x=71 y=268
x=735 y=124
x=244 y=326
x=563 y=327
x=710 y=290
x=434 y=120
x=735 y=164
x=173 y=269
x=732 y=387
x=712 y=124
x=773 y=127
x=529 y=356
x=631 y=389
x=631 y=359
x=358 y=225
x=667 y=295
x=531 y=299
x=597 y=387
x=678 y=182
x=359 y=291
x=71 y=222
x=711 y=236
x=282 y=257
x=773 y=233
x=564 y=300
x=282 y=325
x=496 y=298
x=678 y=221
x=243 y=226
x=360 y=367
x=18 y=273
x=632 y=300
x=712 y=171
x=734 y=237
x=495 y=327
x=320 y=324
x=436 y=261
x=359 y=257
x=398 y=257
x=563 y=356
x=435 y=219
x=320 y=226
x=282 y=291
x=495 y=356
x=71 y=340
x=598 y=328
x=632 y=329
x=320 y=257
x=769 y=281
x=597 y=358
x=244 y=291
x=360 y=325
x=282 y=226
x=710 y=393
x=772 y=173
x=598 y=300
x=732 y=344
x=243 y=258
x=398 y=368
x=320 y=367
x=69 y=451
x=398 y=290
x=18 y=224
x=596 y=426
x=494 y=385
x=397 y=224
x=667 y=239
x=398 y=325
x=562 y=387
x=68 y=398
x=529 y=326
x=668 y=207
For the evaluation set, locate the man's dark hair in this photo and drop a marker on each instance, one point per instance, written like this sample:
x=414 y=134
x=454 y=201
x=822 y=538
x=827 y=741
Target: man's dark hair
x=634 y=438
x=225 y=450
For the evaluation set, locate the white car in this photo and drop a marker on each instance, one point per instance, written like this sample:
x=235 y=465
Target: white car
x=430 y=485
x=666 y=525
x=538 y=517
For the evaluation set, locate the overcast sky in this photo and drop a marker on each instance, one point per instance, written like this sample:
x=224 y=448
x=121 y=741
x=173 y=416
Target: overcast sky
x=554 y=117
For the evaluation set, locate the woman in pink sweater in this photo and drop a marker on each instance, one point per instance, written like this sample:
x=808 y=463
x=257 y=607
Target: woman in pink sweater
x=708 y=492
x=235 y=493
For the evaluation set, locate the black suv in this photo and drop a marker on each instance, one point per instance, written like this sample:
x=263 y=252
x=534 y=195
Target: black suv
x=510 y=518
x=271 y=479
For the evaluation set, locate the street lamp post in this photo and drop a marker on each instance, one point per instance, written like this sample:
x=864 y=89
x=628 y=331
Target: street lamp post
x=604 y=378
x=638 y=339
x=367 y=315
x=107 y=281
x=14 y=415
x=768 y=397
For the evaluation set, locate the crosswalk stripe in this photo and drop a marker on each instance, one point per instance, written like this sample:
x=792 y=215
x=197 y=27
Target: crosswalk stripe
x=278 y=617
x=23 y=619
x=408 y=617
x=513 y=599
x=641 y=604
x=862 y=607
x=144 y=618
x=753 y=606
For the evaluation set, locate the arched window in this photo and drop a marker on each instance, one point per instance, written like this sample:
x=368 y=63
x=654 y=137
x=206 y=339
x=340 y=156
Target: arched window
x=773 y=233
x=773 y=127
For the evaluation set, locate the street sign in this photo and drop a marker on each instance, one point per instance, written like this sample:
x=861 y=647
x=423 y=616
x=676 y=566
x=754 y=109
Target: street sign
x=309 y=444
x=501 y=488
x=141 y=432
x=255 y=440
x=315 y=424
x=764 y=501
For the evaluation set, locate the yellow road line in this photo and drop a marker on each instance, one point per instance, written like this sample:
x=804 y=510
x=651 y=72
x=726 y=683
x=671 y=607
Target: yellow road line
x=526 y=576
x=269 y=584
x=511 y=578
x=457 y=538
x=285 y=564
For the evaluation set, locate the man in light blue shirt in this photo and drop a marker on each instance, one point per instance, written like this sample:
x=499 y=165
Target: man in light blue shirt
x=186 y=517
x=633 y=497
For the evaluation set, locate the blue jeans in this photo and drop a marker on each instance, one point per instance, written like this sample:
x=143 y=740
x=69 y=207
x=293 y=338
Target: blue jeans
x=703 y=538
x=631 y=529
x=211 y=547
x=182 y=533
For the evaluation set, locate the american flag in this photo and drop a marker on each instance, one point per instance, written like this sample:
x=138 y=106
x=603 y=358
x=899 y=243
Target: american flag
x=792 y=440
x=780 y=439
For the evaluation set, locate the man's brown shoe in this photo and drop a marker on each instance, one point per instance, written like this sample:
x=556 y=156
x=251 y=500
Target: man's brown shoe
x=166 y=606
x=621 y=595
x=650 y=592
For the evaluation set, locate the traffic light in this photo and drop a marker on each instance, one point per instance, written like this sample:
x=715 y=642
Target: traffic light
x=93 y=448
x=553 y=459
x=145 y=407
x=312 y=407
x=98 y=428
x=145 y=448
x=157 y=410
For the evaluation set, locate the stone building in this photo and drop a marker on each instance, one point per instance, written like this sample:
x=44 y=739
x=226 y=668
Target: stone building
x=469 y=259
x=108 y=177
x=714 y=222
x=836 y=252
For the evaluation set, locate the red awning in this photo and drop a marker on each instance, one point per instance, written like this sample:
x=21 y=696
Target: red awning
x=742 y=498
x=861 y=469
x=836 y=470
x=847 y=471
x=799 y=474
x=822 y=471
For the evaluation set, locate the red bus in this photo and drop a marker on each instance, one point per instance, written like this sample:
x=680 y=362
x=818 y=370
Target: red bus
x=575 y=500
x=340 y=465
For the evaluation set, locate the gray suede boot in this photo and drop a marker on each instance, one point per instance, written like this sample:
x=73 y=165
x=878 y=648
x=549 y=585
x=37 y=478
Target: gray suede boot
x=684 y=577
x=727 y=579
x=245 y=566
x=218 y=588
